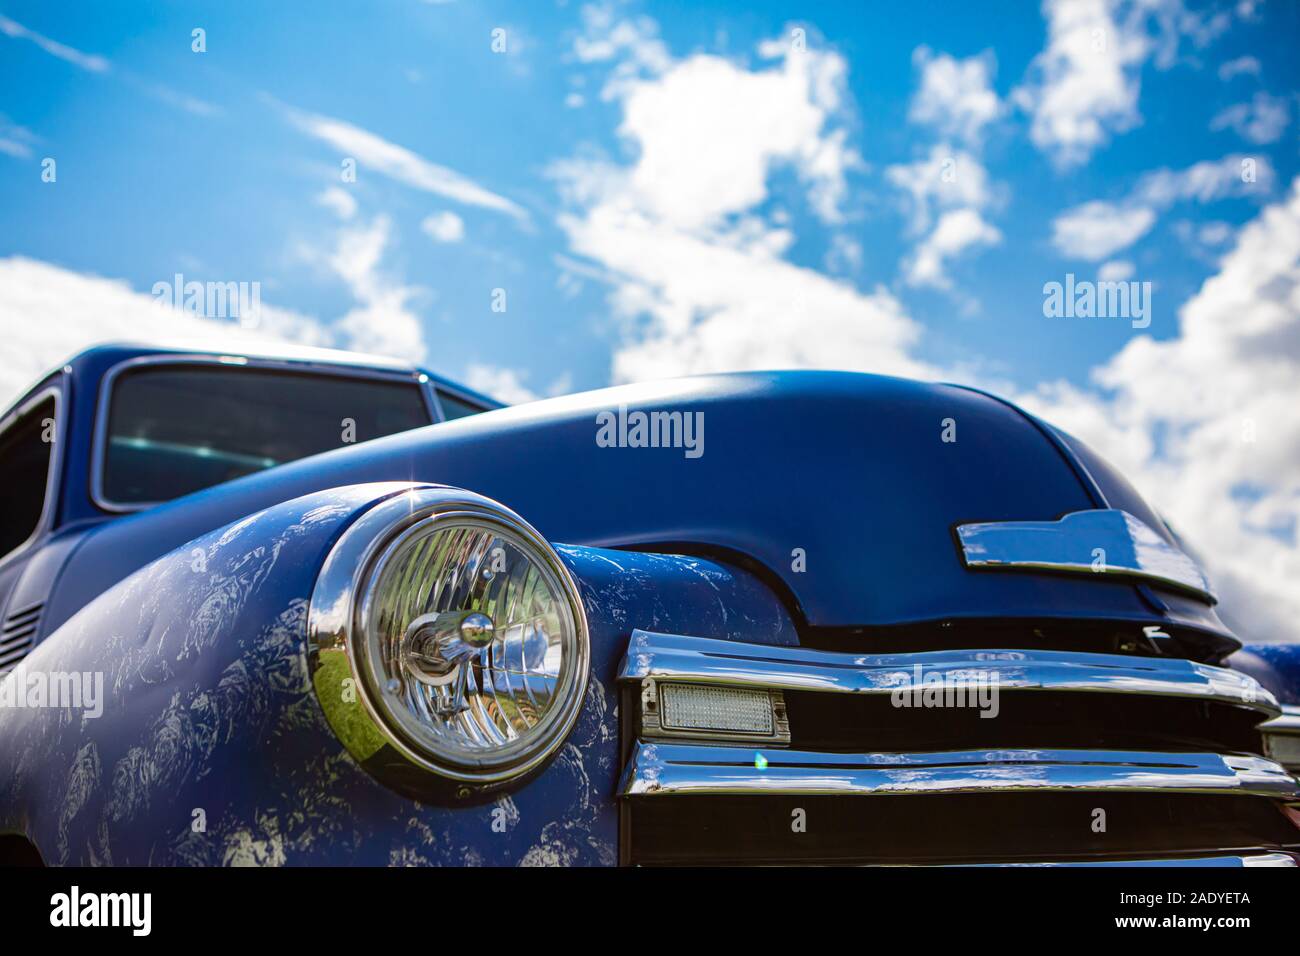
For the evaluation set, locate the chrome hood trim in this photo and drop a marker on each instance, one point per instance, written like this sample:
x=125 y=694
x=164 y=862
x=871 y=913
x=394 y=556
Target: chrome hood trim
x=657 y=768
x=1106 y=541
x=704 y=660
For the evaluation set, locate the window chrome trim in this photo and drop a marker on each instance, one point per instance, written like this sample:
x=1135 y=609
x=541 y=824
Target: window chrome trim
x=672 y=657
x=99 y=441
x=1128 y=548
x=658 y=769
x=54 y=476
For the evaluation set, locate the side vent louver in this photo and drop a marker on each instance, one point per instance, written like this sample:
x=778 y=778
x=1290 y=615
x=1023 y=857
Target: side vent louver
x=18 y=635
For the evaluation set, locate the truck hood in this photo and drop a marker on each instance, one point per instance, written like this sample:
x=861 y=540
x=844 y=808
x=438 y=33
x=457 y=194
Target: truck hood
x=842 y=489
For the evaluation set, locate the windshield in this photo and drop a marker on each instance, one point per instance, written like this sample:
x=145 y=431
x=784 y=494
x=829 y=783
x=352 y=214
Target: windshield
x=174 y=429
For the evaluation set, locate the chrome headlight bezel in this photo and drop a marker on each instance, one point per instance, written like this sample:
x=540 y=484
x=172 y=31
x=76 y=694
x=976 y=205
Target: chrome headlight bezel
x=340 y=645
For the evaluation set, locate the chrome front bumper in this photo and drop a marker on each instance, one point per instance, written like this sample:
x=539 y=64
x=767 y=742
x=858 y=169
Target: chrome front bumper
x=1282 y=738
x=703 y=661
x=661 y=767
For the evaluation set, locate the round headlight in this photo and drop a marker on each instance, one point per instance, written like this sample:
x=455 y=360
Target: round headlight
x=462 y=630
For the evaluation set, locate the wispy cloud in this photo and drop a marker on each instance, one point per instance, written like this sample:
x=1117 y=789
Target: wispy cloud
x=1098 y=229
x=87 y=61
x=381 y=319
x=401 y=164
x=956 y=97
x=443 y=226
x=1084 y=86
x=94 y=63
x=956 y=231
x=1248 y=65
x=1260 y=121
x=504 y=384
x=182 y=101
x=15 y=140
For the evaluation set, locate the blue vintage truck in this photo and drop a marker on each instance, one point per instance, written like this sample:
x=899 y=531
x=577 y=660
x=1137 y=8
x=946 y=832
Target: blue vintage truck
x=307 y=607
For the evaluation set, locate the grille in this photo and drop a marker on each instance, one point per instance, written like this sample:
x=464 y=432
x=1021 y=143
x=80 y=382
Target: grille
x=18 y=636
x=995 y=755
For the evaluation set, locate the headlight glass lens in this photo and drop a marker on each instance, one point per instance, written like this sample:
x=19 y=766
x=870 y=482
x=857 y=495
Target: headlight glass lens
x=470 y=641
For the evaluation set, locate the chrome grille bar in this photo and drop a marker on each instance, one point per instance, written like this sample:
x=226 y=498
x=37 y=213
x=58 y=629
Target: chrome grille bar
x=704 y=660
x=658 y=768
x=1282 y=738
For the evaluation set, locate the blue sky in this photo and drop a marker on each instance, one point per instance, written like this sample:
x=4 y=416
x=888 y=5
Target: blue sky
x=666 y=188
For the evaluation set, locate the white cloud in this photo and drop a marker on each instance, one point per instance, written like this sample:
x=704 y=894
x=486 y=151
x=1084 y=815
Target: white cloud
x=632 y=45
x=1262 y=120
x=504 y=384
x=946 y=179
x=443 y=226
x=1084 y=86
x=1214 y=233
x=339 y=201
x=713 y=306
x=696 y=266
x=1117 y=270
x=1249 y=9
x=1096 y=230
x=15 y=140
x=382 y=320
x=955 y=232
x=397 y=162
x=49 y=312
x=710 y=131
x=182 y=101
x=94 y=63
x=955 y=97
x=1221 y=396
x=87 y=61
x=1241 y=65
x=1207 y=181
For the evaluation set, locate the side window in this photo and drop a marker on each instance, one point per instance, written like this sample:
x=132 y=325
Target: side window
x=26 y=451
x=455 y=407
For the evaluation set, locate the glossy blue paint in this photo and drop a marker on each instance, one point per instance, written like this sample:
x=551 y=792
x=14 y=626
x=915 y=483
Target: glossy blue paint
x=209 y=707
x=850 y=469
x=835 y=492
